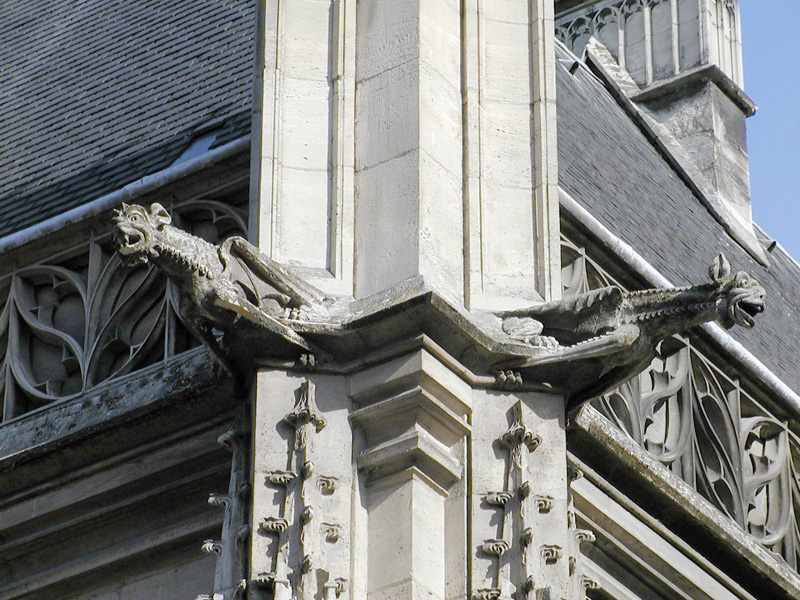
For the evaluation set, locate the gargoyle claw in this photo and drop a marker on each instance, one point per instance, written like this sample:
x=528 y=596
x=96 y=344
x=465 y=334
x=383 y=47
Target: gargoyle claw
x=544 y=341
x=293 y=314
x=509 y=379
x=303 y=313
x=307 y=362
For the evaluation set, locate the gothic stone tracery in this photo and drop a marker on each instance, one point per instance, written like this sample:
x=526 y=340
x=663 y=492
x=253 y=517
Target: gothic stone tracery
x=76 y=320
x=706 y=428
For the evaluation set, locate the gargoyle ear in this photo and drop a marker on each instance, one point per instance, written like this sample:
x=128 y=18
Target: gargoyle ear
x=159 y=214
x=720 y=269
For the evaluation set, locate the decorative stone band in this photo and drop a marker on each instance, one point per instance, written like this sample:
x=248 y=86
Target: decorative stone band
x=488 y=594
x=583 y=536
x=274 y=525
x=550 y=553
x=417 y=430
x=212 y=547
x=544 y=504
x=221 y=500
x=498 y=498
x=335 y=588
x=327 y=485
x=280 y=477
x=668 y=42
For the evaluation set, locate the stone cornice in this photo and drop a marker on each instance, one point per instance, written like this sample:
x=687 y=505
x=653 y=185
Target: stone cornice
x=642 y=476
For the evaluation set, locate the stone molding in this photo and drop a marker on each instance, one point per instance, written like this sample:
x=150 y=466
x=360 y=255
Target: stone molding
x=677 y=493
x=414 y=419
x=667 y=44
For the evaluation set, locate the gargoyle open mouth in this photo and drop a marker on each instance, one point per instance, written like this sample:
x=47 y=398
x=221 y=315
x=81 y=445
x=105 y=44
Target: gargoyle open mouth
x=129 y=240
x=744 y=307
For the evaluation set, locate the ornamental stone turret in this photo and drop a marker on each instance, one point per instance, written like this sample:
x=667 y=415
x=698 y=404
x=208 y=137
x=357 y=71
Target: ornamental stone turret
x=680 y=62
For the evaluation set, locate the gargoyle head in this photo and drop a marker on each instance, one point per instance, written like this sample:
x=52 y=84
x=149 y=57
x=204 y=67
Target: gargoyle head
x=739 y=298
x=137 y=230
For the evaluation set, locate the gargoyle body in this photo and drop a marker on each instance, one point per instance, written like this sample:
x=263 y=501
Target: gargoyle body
x=585 y=345
x=231 y=287
x=608 y=335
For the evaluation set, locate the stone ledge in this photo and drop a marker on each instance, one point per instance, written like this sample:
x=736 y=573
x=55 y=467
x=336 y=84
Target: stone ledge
x=66 y=422
x=640 y=476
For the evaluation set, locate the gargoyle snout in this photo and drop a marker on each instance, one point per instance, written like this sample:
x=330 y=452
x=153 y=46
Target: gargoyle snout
x=131 y=234
x=747 y=299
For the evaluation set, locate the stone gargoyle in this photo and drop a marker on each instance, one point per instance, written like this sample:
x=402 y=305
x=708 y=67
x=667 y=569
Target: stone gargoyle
x=608 y=335
x=231 y=287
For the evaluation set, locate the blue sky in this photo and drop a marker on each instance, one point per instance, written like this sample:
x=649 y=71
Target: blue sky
x=771 y=55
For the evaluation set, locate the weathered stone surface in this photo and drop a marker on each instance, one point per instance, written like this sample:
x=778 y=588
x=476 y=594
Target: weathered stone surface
x=41 y=435
x=609 y=335
x=637 y=474
x=233 y=287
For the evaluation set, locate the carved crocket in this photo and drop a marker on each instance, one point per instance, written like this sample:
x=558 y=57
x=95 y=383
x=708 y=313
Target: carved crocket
x=231 y=287
x=608 y=335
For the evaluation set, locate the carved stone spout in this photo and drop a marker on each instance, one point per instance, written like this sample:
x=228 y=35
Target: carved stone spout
x=231 y=287
x=610 y=335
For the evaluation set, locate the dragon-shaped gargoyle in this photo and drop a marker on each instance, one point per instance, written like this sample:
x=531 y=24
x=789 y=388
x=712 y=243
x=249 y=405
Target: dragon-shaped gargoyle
x=607 y=336
x=232 y=287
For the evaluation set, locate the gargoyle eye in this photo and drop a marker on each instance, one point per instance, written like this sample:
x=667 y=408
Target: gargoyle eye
x=134 y=217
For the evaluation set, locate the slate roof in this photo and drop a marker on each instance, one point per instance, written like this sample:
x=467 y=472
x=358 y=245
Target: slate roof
x=612 y=169
x=95 y=94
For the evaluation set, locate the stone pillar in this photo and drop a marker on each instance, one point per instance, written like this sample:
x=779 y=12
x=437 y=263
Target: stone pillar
x=398 y=140
x=511 y=205
x=301 y=489
x=520 y=535
x=302 y=159
x=403 y=480
x=412 y=423
x=394 y=139
x=409 y=214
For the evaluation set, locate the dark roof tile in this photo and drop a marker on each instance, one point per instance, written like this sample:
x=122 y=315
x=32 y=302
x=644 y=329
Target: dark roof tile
x=611 y=168
x=83 y=117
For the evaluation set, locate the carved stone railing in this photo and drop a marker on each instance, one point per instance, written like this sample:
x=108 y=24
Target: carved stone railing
x=657 y=39
x=700 y=423
x=80 y=319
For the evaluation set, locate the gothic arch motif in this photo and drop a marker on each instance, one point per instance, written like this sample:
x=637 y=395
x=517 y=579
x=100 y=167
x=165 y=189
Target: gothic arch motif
x=69 y=324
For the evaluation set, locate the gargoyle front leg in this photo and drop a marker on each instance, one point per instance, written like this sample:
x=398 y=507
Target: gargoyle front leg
x=528 y=330
x=603 y=345
x=251 y=312
x=209 y=340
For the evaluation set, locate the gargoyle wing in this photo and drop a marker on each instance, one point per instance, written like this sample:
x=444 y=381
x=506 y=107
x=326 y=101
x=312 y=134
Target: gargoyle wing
x=598 y=307
x=247 y=265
